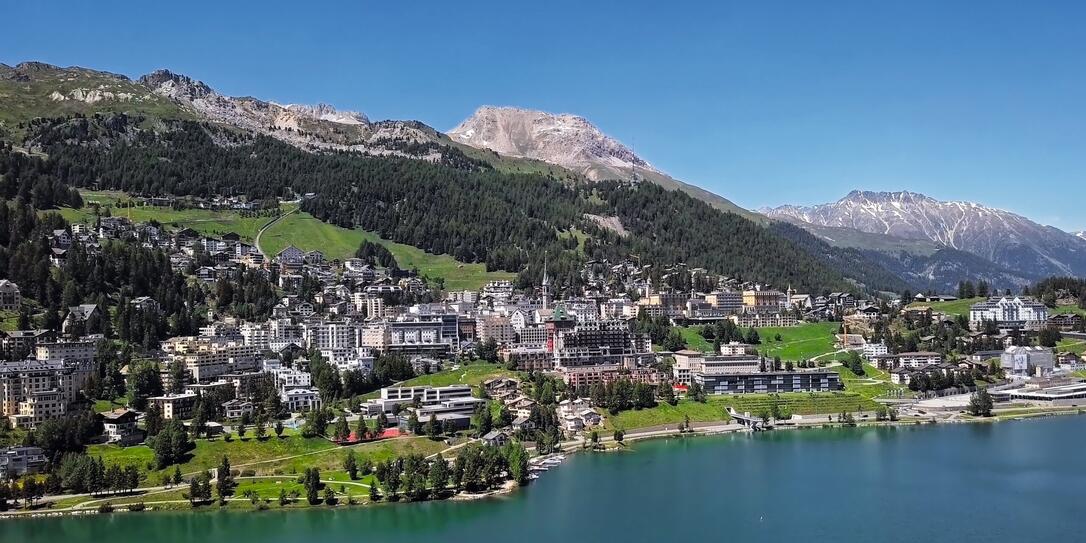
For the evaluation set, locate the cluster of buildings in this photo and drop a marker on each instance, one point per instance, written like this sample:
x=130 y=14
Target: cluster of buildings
x=451 y=407
x=739 y=369
x=47 y=384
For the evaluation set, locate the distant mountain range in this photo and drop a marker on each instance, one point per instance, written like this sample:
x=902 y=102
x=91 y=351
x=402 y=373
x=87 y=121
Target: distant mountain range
x=1010 y=248
x=886 y=239
x=568 y=142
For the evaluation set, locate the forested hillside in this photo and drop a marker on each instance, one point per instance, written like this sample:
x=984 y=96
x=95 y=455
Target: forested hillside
x=111 y=277
x=455 y=205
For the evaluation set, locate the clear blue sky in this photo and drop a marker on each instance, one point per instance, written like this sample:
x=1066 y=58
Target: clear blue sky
x=797 y=103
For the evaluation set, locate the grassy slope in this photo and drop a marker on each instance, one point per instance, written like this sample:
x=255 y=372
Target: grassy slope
x=25 y=100
x=470 y=374
x=797 y=342
x=799 y=403
x=1071 y=345
x=850 y=237
x=206 y=222
x=1067 y=309
x=875 y=382
x=308 y=233
x=299 y=229
x=266 y=457
x=956 y=307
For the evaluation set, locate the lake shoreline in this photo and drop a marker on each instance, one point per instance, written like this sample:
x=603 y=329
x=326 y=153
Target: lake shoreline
x=509 y=487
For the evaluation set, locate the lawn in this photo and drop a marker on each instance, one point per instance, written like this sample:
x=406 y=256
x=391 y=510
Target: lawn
x=693 y=339
x=308 y=233
x=664 y=413
x=457 y=275
x=1077 y=346
x=299 y=229
x=802 y=403
x=209 y=453
x=798 y=403
x=332 y=459
x=956 y=307
x=802 y=342
x=468 y=374
x=1067 y=310
x=9 y=320
x=103 y=405
x=204 y=221
x=866 y=386
x=272 y=456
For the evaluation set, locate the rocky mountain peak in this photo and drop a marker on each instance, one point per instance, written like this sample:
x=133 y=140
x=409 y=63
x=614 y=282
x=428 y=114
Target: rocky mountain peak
x=564 y=139
x=176 y=86
x=901 y=196
x=326 y=112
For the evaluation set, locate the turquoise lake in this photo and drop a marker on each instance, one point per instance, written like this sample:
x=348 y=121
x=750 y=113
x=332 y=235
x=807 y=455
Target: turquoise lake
x=1012 y=481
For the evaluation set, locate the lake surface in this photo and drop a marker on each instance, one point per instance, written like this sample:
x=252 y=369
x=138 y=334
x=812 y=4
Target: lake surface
x=1013 y=481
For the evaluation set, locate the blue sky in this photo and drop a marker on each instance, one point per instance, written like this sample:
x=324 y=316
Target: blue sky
x=764 y=103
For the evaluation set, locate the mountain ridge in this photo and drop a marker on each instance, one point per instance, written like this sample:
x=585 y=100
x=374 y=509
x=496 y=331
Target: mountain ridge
x=573 y=142
x=1005 y=238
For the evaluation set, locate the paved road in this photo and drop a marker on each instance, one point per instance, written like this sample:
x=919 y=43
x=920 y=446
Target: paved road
x=256 y=240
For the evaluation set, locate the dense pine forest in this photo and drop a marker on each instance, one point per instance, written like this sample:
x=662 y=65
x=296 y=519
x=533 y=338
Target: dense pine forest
x=453 y=205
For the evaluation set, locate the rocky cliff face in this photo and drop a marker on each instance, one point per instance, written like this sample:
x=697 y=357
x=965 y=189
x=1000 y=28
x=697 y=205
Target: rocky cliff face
x=566 y=140
x=1010 y=240
x=319 y=126
x=572 y=142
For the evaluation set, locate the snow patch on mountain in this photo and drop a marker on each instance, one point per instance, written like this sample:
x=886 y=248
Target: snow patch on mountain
x=997 y=235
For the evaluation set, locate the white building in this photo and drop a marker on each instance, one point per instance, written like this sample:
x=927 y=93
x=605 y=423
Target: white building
x=1017 y=312
x=875 y=349
x=330 y=335
x=301 y=399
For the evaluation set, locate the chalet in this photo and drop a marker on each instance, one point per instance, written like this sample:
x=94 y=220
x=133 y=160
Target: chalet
x=78 y=315
x=235 y=409
x=186 y=236
x=1067 y=322
x=522 y=423
x=119 y=427
x=58 y=257
x=207 y=274
x=291 y=256
x=921 y=314
x=314 y=258
x=496 y=438
x=145 y=303
x=61 y=238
